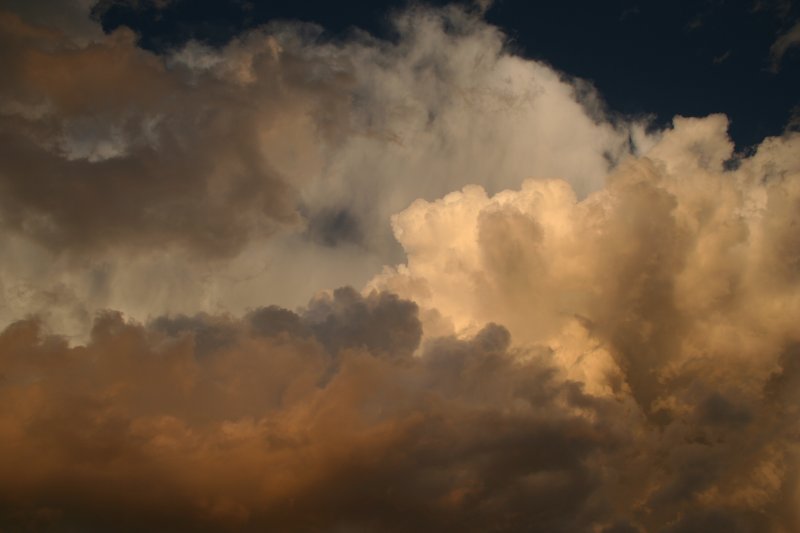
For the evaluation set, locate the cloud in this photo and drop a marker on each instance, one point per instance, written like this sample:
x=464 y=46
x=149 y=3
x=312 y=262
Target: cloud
x=124 y=152
x=672 y=286
x=70 y=17
x=588 y=327
x=721 y=58
x=280 y=149
x=178 y=425
x=621 y=362
x=194 y=149
x=324 y=420
x=785 y=41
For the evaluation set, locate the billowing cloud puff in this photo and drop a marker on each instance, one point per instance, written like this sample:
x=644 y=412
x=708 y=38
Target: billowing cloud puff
x=676 y=256
x=675 y=286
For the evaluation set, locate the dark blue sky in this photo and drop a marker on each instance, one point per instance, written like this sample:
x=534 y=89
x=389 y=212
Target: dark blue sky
x=661 y=58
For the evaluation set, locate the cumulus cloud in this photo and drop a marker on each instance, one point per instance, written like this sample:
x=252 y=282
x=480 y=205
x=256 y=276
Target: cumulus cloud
x=675 y=286
x=280 y=145
x=675 y=253
x=609 y=346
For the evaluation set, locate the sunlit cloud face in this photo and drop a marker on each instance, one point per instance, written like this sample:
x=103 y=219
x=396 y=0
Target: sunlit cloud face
x=564 y=323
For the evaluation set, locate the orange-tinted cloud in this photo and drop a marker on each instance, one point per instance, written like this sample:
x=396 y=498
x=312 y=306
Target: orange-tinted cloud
x=613 y=351
x=303 y=422
x=325 y=420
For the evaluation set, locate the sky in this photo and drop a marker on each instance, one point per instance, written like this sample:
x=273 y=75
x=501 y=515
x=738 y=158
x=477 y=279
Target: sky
x=390 y=266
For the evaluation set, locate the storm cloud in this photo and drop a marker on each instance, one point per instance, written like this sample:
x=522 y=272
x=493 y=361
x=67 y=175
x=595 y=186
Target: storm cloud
x=253 y=428
x=549 y=318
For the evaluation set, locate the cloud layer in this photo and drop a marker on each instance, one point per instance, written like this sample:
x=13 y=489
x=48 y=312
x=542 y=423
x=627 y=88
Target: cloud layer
x=282 y=421
x=609 y=346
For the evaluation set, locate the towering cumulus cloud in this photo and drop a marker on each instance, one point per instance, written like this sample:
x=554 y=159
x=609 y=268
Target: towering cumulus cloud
x=587 y=327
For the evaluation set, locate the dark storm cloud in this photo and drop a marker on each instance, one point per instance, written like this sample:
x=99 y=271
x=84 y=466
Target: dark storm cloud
x=242 y=434
x=381 y=323
x=600 y=353
x=307 y=421
x=210 y=335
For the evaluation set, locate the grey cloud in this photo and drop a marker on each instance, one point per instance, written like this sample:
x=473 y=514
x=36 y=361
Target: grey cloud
x=716 y=409
x=273 y=321
x=128 y=152
x=334 y=227
x=380 y=323
x=209 y=334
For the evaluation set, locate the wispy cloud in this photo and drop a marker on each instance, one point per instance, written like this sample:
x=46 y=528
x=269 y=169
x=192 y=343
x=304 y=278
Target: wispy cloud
x=785 y=42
